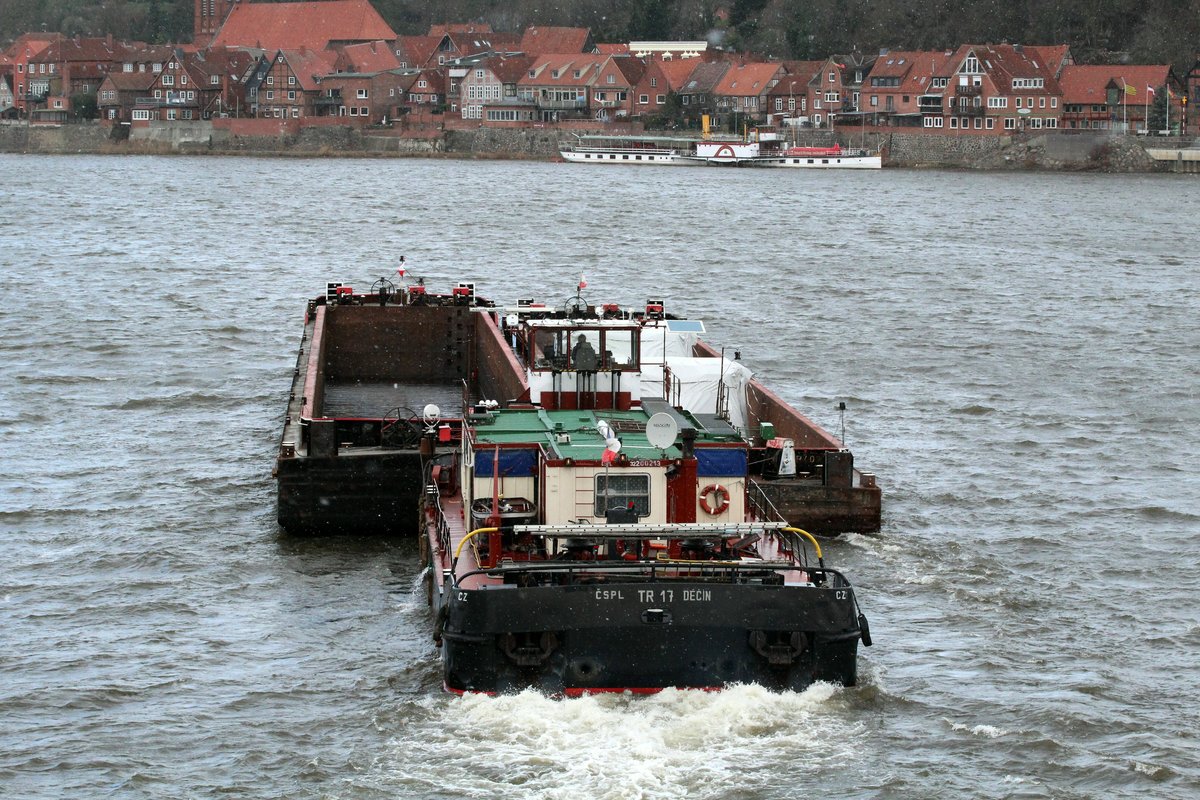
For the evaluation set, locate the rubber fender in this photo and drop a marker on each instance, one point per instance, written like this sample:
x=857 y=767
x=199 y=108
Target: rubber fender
x=864 y=629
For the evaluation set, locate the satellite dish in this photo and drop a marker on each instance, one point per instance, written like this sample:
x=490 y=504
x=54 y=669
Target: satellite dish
x=661 y=430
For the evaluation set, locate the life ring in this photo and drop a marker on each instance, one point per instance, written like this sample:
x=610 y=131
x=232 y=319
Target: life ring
x=720 y=495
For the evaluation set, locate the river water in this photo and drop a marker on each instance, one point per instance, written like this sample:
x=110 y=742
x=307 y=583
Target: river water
x=1017 y=353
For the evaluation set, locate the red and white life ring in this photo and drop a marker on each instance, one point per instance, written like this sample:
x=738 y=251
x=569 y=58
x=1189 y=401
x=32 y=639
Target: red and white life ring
x=720 y=496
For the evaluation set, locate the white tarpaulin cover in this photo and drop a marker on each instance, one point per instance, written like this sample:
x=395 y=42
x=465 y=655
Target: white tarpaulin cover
x=698 y=380
x=656 y=340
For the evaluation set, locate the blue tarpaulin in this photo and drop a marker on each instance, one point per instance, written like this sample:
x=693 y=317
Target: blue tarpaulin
x=720 y=462
x=513 y=463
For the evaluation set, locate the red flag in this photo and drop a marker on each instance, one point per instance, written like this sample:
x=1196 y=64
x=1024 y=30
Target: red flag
x=582 y=281
x=400 y=269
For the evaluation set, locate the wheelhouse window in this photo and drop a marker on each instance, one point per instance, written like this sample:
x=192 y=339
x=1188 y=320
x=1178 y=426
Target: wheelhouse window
x=623 y=491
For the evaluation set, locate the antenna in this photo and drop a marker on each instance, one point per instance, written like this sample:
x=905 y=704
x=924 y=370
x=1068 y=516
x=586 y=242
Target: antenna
x=842 y=415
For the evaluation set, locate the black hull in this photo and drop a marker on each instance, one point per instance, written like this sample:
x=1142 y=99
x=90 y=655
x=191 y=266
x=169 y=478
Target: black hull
x=648 y=636
x=377 y=493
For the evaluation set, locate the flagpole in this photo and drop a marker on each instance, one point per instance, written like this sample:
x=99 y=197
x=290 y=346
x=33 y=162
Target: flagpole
x=1146 y=121
x=1125 y=106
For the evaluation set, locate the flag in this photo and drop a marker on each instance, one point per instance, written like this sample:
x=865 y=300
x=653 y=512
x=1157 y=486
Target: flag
x=400 y=269
x=1150 y=89
x=582 y=282
x=1129 y=89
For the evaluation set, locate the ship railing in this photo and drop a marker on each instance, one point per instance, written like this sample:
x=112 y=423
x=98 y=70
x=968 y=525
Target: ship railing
x=760 y=505
x=601 y=572
x=434 y=498
x=793 y=542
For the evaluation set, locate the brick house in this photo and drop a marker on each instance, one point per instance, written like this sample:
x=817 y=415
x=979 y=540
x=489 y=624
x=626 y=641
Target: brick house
x=612 y=86
x=362 y=98
x=17 y=57
x=999 y=89
x=68 y=67
x=119 y=93
x=789 y=100
x=489 y=91
x=1115 y=97
x=742 y=91
x=696 y=92
x=649 y=94
x=560 y=85
x=285 y=86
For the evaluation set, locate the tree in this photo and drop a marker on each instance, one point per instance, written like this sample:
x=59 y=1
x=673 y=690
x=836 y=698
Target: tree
x=84 y=105
x=1157 y=118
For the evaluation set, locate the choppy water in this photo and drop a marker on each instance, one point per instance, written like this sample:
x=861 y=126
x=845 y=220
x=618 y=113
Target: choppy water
x=1018 y=354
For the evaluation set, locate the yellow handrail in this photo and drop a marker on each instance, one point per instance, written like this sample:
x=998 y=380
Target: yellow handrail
x=808 y=536
x=468 y=537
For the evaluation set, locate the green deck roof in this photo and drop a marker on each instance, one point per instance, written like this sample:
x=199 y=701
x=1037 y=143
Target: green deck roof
x=541 y=427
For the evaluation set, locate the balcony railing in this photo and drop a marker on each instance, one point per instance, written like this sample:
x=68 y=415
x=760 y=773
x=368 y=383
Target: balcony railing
x=561 y=104
x=968 y=91
x=326 y=100
x=967 y=111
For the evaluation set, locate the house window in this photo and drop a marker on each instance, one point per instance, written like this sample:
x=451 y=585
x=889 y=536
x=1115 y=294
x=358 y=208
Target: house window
x=270 y=80
x=833 y=77
x=291 y=95
x=213 y=80
x=874 y=101
x=270 y=94
x=991 y=123
x=168 y=80
x=622 y=491
x=1054 y=102
x=644 y=99
x=1052 y=123
x=354 y=111
x=158 y=94
x=362 y=94
x=1018 y=102
x=978 y=123
x=937 y=122
x=421 y=84
x=170 y=113
x=1010 y=123
x=295 y=112
x=364 y=112
x=654 y=83
x=610 y=79
x=183 y=79
x=141 y=114
x=1041 y=102
x=954 y=122
x=660 y=99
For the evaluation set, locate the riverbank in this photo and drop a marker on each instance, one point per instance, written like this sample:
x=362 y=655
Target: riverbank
x=1057 y=151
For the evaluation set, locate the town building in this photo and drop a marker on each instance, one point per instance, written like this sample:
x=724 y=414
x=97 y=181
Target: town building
x=1116 y=96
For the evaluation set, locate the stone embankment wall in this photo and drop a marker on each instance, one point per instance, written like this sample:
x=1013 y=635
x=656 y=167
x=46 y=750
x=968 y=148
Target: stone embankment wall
x=1053 y=151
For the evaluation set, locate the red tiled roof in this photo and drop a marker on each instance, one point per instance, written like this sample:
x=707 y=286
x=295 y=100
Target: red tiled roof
x=606 y=49
x=555 y=70
x=417 y=50
x=509 y=69
x=678 y=70
x=1088 y=84
x=746 y=80
x=370 y=57
x=308 y=65
x=290 y=26
x=541 y=40
x=459 y=27
x=131 y=81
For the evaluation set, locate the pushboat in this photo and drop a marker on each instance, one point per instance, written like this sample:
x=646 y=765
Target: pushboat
x=602 y=499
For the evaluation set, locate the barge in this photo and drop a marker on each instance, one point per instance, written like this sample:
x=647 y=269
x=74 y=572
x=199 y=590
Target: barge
x=598 y=494
x=352 y=452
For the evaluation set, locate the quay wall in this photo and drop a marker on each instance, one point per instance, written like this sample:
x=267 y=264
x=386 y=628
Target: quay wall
x=1059 y=150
